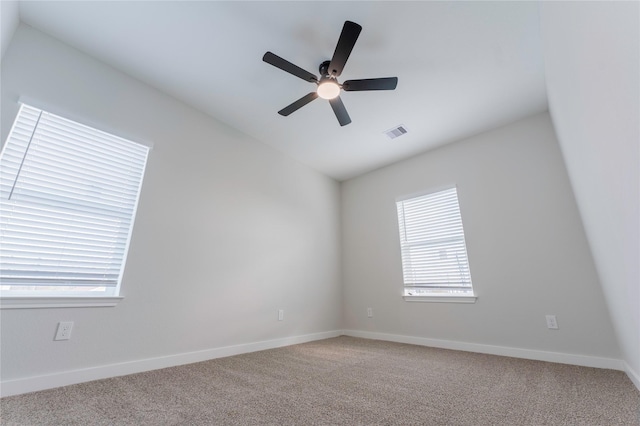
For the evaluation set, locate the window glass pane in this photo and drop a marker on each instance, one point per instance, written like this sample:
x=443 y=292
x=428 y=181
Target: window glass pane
x=434 y=254
x=68 y=195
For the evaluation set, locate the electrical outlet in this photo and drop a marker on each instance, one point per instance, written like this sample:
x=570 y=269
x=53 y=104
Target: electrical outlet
x=552 y=322
x=64 y=330
x=280 y=314
x=370 y=312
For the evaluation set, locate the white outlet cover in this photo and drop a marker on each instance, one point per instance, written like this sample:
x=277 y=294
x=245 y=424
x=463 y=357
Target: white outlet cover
x=552 y=322
x=64 y=330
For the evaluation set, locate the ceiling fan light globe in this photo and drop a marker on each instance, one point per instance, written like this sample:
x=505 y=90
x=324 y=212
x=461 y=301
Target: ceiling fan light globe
x=328 y=90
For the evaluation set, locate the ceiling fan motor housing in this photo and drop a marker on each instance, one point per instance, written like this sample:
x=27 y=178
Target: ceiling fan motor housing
x=324 y=69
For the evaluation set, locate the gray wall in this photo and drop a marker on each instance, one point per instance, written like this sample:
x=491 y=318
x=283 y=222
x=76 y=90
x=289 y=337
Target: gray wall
x=9 y=21
x=527 y=249
x=227 y=232
x=592 y=55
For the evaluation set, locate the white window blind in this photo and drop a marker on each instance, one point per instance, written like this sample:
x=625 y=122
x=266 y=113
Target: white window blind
x=434 y=255
x=68 y=197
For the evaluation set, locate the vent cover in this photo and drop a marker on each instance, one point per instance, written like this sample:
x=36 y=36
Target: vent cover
x=396 y=131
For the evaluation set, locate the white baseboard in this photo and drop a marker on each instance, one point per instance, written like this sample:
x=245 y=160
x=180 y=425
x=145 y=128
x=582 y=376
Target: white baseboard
x=633 y=375
x=562 y=358
x=32 y=384
x=64 y=378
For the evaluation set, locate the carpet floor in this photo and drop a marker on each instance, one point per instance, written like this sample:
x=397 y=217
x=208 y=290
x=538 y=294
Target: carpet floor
x=342 y=381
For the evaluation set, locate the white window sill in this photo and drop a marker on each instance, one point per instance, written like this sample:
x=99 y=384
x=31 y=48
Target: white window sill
x=58 y=302
x=441 y=299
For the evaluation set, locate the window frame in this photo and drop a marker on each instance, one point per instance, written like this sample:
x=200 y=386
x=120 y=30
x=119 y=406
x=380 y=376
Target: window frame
x=444 y=297
x=30 y=299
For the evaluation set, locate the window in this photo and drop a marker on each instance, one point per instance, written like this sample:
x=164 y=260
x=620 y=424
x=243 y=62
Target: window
x=434 y=255
x=68 y=197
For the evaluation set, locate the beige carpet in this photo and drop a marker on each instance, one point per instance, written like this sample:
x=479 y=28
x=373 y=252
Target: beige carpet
x=342 y=381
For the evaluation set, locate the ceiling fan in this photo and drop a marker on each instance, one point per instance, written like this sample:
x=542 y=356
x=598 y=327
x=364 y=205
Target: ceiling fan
x=328 y=85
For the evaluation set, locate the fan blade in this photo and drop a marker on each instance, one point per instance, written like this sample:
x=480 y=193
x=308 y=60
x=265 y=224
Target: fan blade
x=340 y=111
x=387 y=83
x=287 y=66
x=348 y=37
x=298 y=104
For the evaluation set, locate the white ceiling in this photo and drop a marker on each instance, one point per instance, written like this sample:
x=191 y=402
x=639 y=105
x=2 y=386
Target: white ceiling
x=463 y=67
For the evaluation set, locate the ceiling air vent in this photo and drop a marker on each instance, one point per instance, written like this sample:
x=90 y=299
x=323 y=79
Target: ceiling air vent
x=396 y=131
